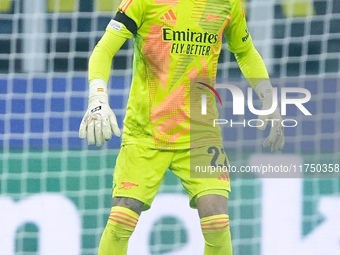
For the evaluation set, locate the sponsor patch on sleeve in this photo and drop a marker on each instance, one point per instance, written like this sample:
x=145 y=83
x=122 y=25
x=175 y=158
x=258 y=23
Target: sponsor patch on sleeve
x=115 y=25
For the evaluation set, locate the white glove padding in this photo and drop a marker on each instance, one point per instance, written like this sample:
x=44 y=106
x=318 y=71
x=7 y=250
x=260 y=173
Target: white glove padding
x=99 y=121
x=276 y=137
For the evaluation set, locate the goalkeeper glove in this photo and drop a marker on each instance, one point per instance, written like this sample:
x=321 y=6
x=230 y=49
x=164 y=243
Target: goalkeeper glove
x=276 y=137
x=99 y=120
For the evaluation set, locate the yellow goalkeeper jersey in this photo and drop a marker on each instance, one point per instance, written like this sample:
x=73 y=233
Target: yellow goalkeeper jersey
x=177 y=41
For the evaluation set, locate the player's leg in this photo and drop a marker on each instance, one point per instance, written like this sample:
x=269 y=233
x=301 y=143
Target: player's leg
x=213 y=212
x=137 y=177
x=128 y=202
x=208 y=195
x=211 y=204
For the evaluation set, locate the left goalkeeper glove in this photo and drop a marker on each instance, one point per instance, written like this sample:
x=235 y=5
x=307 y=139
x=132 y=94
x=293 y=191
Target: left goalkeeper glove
x=276 y=137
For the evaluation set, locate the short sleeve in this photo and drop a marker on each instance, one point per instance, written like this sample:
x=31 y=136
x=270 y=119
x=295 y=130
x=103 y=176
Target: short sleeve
x=236 y=32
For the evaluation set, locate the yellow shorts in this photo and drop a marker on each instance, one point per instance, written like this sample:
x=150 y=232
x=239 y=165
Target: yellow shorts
x=140 y=170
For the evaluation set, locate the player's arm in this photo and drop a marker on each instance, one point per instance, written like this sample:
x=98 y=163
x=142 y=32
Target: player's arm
x=99 y=121
x=253 y=68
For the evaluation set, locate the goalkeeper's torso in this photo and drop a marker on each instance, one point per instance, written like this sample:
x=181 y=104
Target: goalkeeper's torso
x=177 y=41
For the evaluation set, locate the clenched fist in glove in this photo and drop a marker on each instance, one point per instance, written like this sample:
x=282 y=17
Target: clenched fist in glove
x=276 y=139
x=99 y=121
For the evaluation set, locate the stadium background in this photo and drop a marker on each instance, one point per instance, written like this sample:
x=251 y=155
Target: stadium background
x=44 y=49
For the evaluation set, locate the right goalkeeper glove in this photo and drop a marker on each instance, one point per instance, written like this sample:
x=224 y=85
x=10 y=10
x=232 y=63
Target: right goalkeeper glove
x=276 y=138
x=99 y=120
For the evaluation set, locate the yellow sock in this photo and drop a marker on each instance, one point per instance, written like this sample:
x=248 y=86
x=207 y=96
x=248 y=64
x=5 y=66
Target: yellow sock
x=119 y=228
x=216 y=233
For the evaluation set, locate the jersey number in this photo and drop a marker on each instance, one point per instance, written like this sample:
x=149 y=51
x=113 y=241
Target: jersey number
x=216 y=154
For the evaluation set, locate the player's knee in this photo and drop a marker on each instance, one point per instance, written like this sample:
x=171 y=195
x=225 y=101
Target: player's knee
x=130 y=203
x=212 y=204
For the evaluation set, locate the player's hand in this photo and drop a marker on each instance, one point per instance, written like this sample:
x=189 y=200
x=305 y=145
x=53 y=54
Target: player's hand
x=276 y=137
x=99 y=121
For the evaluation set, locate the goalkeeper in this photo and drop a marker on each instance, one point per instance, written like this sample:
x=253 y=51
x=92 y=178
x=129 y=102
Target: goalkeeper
x=174 y=42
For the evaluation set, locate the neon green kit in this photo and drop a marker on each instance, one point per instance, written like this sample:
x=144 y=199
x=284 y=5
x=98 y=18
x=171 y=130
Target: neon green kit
x=177 y=44
x=175 y=41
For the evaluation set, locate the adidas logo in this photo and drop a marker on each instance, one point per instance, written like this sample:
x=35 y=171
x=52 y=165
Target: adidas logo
x=169 y=16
